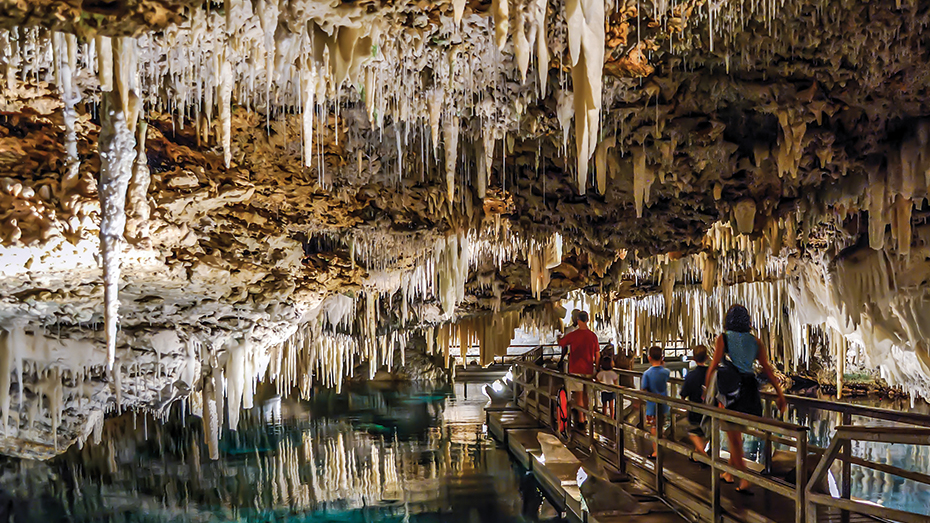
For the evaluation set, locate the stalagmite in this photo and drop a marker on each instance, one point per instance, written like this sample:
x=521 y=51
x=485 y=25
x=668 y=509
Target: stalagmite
x=117 y=154
x=137 y=209
x=450 y=141
x=104 y=48
x=744 y=212
x=500 y=9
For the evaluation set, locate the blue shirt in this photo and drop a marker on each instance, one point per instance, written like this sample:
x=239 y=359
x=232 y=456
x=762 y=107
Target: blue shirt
x=655 y=380
x=742 y=348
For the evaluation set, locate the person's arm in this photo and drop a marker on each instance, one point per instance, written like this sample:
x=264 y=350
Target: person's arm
x=563 y=342
x=718 y=357
x=688 y=387
x=763 y=358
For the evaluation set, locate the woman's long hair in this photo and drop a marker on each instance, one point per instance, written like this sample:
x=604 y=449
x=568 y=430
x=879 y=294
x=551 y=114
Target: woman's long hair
x=738 y=319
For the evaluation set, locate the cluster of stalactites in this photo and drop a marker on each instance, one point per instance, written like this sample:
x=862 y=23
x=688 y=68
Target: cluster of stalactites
x=690 y=316
x=491 y=334
x=877 y=300
x=543 y=256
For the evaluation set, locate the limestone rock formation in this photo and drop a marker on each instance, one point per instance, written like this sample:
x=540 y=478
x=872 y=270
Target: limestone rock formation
x=313 y=184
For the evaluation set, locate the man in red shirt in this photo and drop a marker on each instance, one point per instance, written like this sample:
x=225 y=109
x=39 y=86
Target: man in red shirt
x=582 y=356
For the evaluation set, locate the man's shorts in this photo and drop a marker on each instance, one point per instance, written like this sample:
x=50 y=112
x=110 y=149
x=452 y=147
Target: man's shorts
x=574 y=385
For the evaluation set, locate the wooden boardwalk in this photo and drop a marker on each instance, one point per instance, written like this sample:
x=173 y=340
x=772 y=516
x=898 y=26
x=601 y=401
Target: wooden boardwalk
x=687 y=484
x=558 y=480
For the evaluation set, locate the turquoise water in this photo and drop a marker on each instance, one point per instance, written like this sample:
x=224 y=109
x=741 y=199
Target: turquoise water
x=366 y=456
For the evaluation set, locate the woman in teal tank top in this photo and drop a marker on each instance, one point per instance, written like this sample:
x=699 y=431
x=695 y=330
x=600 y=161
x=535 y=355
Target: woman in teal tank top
x=743 y=350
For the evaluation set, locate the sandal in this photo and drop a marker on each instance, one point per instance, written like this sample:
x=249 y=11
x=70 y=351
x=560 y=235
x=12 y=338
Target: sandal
x=724 y=479
x=745 y=491
x=651 y=457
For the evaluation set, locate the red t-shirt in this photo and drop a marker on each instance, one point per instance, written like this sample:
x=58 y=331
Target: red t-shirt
x=584 y=351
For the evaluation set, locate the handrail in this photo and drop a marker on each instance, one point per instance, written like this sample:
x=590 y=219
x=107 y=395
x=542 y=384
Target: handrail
x=838 y=449
x=723 y=414
x=912 y=418
x=796 y=432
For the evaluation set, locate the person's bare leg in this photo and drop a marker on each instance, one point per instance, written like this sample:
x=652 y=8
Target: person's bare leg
x=699 y=443
x=735 y=438
x=583 y=403
x=655 y=446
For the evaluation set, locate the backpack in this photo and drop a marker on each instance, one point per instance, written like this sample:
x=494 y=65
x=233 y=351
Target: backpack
x=729 y=379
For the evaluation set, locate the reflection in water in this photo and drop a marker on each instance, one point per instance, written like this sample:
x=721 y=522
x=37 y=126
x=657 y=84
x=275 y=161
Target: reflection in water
x=363 y=455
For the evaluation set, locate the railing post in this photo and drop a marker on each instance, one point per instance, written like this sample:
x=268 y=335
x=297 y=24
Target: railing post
x=536 y=394
x=717 y=513
x=660 y=453
x=846 y=478
x=620 y=433
x=801 y=478
x=551 y=384
x=767 y=443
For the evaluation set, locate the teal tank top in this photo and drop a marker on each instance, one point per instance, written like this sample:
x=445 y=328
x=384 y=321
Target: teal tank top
x=743 y=349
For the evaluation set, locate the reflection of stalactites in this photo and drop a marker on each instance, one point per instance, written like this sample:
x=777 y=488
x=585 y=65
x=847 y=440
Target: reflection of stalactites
x=116 y=147
x=211 y=427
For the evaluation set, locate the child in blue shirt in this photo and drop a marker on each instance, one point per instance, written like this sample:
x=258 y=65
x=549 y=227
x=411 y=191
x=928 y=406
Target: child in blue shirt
x=655 y=380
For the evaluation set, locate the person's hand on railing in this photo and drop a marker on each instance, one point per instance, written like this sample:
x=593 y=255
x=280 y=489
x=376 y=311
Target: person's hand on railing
x=781 y=402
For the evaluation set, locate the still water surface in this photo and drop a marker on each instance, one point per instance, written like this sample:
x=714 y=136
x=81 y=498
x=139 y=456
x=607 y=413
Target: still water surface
x=366 y=455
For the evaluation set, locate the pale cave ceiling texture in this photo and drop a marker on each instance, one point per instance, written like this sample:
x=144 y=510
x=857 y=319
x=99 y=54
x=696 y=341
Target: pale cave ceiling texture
x=197 y=195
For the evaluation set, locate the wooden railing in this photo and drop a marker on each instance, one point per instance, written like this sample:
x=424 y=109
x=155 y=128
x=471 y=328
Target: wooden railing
x=526 y=376
x=839 y=449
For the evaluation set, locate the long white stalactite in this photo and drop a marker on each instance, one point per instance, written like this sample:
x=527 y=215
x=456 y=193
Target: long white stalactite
x=117 y=154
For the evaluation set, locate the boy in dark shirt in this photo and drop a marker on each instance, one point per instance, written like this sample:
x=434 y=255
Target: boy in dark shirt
x=693 y=390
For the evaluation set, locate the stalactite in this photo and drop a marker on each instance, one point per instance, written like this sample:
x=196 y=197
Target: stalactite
x=450 y=140
x=586 y=34
x=744 y=213
x=643 y=176
x=224 y=95
x=104 y=48
x=117 y=153
x=137 y=210
x=500 y=9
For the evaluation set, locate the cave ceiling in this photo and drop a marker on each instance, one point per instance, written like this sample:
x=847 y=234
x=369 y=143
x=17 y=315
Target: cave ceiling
x=409 y=159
